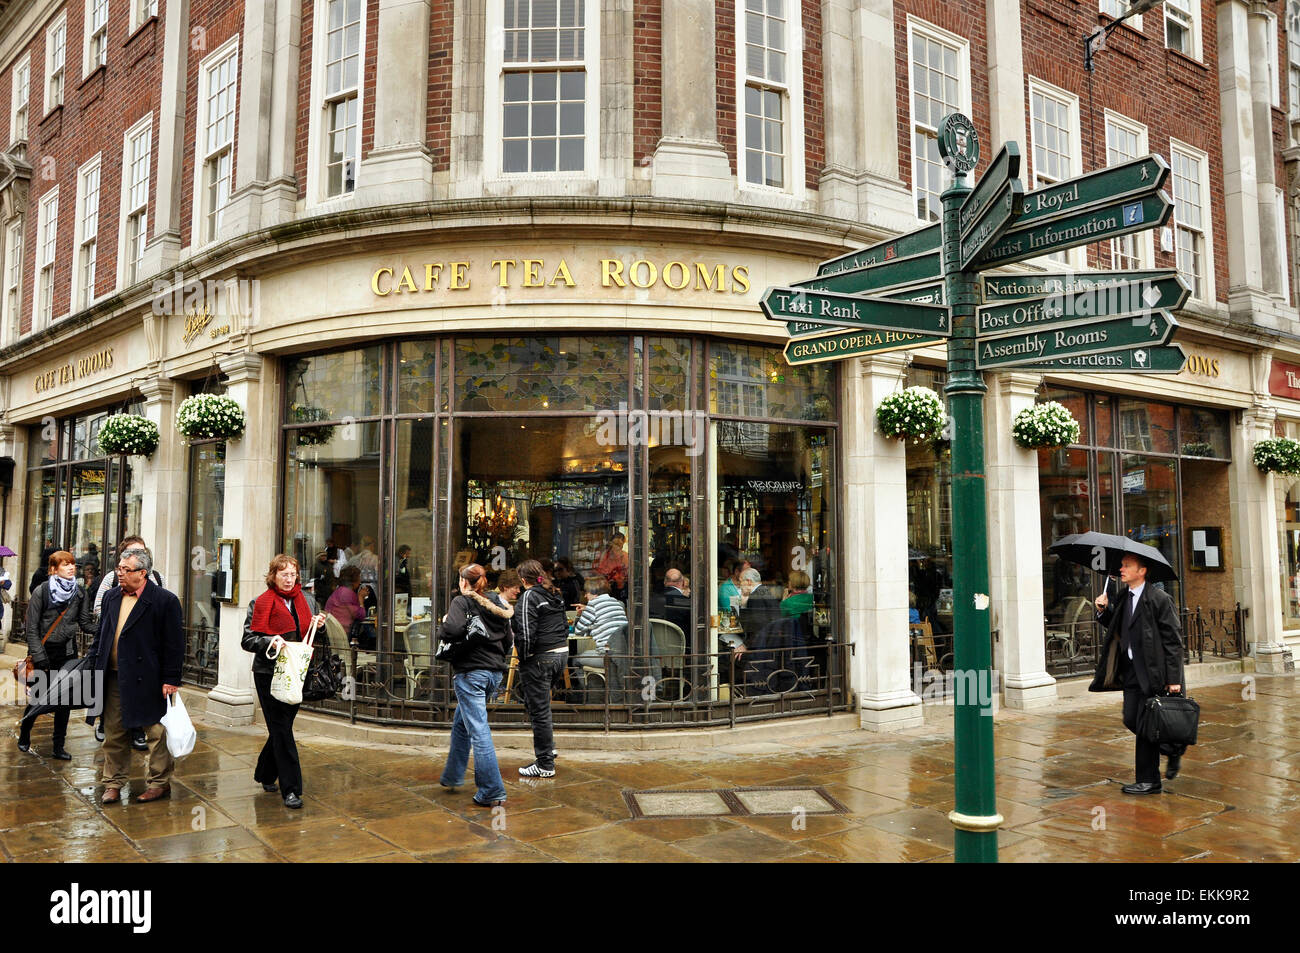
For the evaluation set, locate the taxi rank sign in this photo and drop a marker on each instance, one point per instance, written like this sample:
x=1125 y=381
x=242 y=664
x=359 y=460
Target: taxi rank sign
x=1113 y=322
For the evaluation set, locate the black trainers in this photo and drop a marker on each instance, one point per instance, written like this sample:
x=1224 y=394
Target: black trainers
x=535 y=770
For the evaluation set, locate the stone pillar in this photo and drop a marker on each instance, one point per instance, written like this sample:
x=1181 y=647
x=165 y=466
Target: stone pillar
x=1006 y=77
x=1015 y=548
x=280 y=195
x=1241 y=192
x=256 y=83
x=162 y=511
x=861 y=181
x=399 y=168
x=13 y=443
x=468 y=57
x=249 y=516
x=875 y=549
x=689 y=162
x=163 y=250
x=1271 y=252
x=1258 y=531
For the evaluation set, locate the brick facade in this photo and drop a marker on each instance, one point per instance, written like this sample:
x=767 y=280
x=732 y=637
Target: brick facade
x=647 y=67
x=219 y=20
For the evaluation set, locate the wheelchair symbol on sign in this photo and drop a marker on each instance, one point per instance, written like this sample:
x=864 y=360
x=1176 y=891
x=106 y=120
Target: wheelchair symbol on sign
x=1132 y=214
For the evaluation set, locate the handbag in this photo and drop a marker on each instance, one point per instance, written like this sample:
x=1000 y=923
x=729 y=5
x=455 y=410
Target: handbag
x=1170 y=720
x=324 y=675
x=291 y=666
x=452 y=650
x=180 y=730
x=23 y=669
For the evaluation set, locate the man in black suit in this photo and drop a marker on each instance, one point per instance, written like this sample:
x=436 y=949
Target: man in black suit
x=139 y=649
x=1142 y=655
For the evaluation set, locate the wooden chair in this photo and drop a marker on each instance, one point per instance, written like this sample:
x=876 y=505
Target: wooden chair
x=923 y=641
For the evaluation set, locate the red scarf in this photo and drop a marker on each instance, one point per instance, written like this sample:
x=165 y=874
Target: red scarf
x=271 y=617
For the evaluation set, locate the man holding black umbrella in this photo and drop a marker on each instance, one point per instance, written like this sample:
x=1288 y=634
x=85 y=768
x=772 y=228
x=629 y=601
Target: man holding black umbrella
x=1142 y=655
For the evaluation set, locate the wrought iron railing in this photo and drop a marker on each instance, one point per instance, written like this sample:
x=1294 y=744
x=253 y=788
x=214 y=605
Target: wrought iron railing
x=1073 y=649
x=202 y=647
x=625 y=692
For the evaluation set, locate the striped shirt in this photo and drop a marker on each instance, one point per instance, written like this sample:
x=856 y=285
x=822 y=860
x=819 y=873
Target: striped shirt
x=603 y=617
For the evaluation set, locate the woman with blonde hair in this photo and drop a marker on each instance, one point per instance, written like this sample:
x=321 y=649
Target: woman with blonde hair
x=283 y=613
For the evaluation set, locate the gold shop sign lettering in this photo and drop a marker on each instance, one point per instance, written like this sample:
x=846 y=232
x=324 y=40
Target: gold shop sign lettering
x=195 y=323
x=1202 y=364
x=539 y=273
x=74 y=370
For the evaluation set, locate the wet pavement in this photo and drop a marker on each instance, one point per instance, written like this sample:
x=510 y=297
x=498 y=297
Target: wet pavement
x=876 y=797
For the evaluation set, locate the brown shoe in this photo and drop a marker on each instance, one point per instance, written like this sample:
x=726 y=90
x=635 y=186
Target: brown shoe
x=155 y=794
x=111 y=796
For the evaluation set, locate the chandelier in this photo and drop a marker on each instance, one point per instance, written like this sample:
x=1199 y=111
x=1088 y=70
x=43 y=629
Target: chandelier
x=496 y=520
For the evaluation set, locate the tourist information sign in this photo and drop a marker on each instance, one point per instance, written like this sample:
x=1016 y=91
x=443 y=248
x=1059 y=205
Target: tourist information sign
x=1083 y=307
x=923 y=294
x=1116 y=322
x=1142 y=360
x=1113 y=334
x=836 y=347
x=850 y=311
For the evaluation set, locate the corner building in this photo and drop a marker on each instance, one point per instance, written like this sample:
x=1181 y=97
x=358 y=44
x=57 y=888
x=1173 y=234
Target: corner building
x=484 y=279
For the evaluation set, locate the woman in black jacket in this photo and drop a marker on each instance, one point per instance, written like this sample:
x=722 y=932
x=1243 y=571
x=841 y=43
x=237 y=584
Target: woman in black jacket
x=478 y=668
x=542 y=637
x=58 y=610
x=283 y=613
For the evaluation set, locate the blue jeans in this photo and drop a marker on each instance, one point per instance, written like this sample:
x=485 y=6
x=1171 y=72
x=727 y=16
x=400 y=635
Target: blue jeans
x=470 y=727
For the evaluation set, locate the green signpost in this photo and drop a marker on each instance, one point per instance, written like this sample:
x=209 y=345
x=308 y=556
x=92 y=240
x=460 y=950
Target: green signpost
x=924 y=288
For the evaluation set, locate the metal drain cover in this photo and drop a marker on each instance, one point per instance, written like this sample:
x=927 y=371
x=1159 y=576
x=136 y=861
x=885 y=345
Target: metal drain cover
x=735 y=802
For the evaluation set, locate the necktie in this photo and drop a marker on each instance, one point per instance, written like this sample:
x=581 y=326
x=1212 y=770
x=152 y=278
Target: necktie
x=1126 y=625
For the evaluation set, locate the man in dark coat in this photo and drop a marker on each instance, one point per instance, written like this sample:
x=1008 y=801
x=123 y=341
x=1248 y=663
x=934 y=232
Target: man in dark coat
x=140 y=649
x=1142 y=655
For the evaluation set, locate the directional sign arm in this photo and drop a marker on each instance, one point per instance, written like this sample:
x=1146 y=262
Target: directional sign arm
x=850 y=311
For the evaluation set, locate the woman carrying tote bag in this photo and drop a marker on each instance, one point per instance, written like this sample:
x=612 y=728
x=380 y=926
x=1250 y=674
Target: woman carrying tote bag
x=283 y=613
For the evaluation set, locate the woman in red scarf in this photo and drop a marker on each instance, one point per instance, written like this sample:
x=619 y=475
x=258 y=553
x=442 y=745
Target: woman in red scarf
x=283 y=613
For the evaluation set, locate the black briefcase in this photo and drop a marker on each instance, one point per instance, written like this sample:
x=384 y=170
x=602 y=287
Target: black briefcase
x=1170 y=720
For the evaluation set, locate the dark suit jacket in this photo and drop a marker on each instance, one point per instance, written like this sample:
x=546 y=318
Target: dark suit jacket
x=1157 y=648
x=150 y=652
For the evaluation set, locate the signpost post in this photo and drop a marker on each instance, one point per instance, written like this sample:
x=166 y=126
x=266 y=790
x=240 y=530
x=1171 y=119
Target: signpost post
x=924 y=288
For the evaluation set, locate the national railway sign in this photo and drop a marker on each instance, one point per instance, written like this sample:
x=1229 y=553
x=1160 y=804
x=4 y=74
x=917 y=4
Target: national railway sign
x=1083 y=307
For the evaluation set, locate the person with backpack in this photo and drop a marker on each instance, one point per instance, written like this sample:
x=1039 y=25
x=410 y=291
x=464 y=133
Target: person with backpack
x=478 y=623
x=542 y=641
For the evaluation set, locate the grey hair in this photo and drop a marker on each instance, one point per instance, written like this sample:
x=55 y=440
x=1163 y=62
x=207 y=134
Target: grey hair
x=751 y=575
x=141 y=556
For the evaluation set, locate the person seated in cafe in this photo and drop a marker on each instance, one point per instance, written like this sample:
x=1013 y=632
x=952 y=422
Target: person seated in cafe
x=402 y=578
x=598 y=619
x=613 y=566
x=345 y=605
x=759 y=605
x=730 y=587
x=913 y=616
x=509 y=585
x=798 y=595
x=675 y=602
x=325 y=580
x=569 y=580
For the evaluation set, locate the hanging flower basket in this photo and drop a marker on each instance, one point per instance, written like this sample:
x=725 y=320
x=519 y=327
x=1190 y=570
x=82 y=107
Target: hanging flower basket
x=1045 y=425
x=916 y=414
x=128 y=434
x=210 y=416
x=1278 y=455
x=1198 y=449
x=312 y=436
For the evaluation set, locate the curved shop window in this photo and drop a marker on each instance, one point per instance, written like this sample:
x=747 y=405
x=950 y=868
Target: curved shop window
x=669 y=466
x=77 y=498
x=1157 y=473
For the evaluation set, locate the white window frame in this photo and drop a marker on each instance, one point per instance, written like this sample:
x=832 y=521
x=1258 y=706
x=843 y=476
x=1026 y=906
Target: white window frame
x=141 y=11
x=1144 y=242
x=1284 y=242
x=934 y=34
x=83 y=296
x=89 y=61
x=125 y=261
x=1073 y=257
x=52 y=101
x=20 y=99
x=1207 y=222
x=318 y=126
x=791 y=100
x=47 y=256
x=1274 y=65
x=1109 y=7
x=1293 y=63
x=1193 y=12
x=198 y=230
x=11 y=282
x=494 y=92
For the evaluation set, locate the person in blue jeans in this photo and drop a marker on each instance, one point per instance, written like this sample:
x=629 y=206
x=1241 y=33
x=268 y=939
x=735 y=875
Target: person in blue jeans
x=479 y=664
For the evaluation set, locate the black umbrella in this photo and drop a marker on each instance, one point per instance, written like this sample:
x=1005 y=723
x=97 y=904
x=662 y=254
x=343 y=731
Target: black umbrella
x=65 y=687
x=1104 y=551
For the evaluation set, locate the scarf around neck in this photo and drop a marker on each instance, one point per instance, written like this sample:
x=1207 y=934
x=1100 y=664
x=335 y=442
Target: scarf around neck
x=270 y=617
x=61 y=589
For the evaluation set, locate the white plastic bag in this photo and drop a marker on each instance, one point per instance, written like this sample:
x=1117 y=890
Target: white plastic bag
x=291 y=668
x=180 y=730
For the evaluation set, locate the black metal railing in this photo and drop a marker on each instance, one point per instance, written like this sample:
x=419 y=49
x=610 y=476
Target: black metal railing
x=1073 y=649
x=202 y=647
x=623 y=692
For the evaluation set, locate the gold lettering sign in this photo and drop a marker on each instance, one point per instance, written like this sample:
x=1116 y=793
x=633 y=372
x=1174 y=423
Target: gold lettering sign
x=1203 y=365
x=195 y=323
x=73 y=370
x=643 y=273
